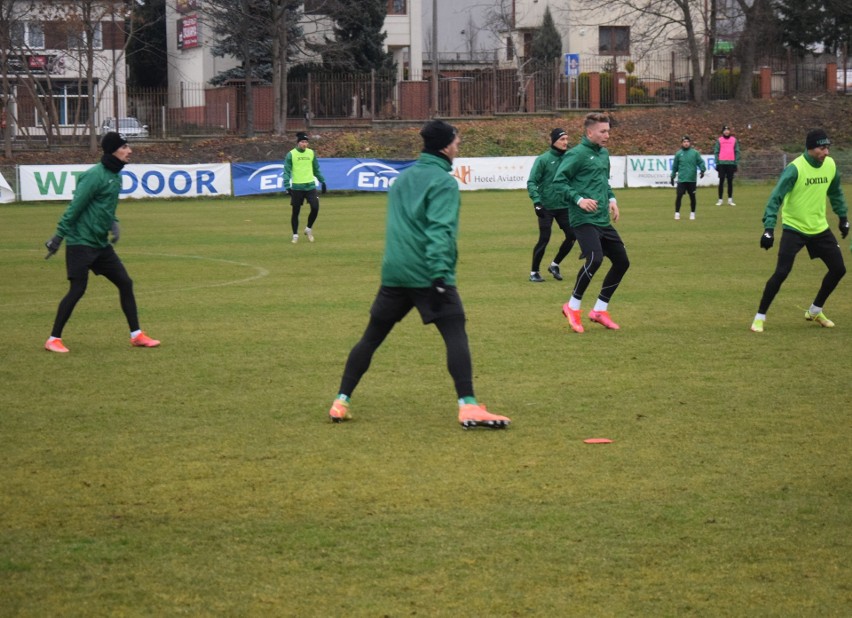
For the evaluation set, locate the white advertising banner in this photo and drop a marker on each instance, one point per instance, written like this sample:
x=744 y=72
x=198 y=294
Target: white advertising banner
x=57 y=182
x=656 y=171
x=492 y=172
x=7 y=194
x=513 y=172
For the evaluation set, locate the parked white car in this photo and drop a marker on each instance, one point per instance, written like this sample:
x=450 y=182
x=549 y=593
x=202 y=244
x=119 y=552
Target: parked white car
x=847 y=82
x=130 y=128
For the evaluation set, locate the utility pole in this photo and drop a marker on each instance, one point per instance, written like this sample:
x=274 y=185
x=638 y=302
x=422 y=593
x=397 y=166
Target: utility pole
x=434 y=57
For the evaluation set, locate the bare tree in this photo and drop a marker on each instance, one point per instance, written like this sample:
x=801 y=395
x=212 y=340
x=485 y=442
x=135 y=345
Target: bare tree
x=759 y=28
x=75 y=30
x=12 y=12
x=661 y=23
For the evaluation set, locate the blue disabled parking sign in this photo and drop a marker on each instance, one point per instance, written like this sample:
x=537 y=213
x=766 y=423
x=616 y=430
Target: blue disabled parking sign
x=572 y=65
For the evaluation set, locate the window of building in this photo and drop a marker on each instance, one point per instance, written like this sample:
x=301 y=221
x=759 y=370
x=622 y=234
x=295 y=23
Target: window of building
x=614 y=40
x=528 y=37
x=70 y=101
x=397 y=7
x=79 y=40
x=27 y=35
x=510 y=48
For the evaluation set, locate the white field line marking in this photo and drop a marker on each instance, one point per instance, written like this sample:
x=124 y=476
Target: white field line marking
x=260 y=272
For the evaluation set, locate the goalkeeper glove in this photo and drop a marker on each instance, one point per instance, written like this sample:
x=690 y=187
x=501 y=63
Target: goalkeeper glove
x=768 y=239
x=52 y=246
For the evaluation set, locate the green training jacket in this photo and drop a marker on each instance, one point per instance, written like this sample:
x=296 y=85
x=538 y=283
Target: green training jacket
x=686 y=162
x=801 y=192
x=584 y=173
x=89 y=217
x=540 y=184
x=422 y=225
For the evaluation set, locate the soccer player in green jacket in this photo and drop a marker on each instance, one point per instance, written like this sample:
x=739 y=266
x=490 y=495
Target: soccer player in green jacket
x=419 y=271
x=85 y=226
x=801 y=194
x=687 y=161
x=548 y=206
x=583 y=178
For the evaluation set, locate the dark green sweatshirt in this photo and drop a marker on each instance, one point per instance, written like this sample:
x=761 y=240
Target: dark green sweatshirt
x=422 y=225
x=89 y=216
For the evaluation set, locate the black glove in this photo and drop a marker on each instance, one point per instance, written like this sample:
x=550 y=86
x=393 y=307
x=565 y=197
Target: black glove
x=701 y=175
x=289 y=194
x=844 y=227
x=734 y=169
x=539 y=211
x=768 y=239
x=324 y=188
x=438 y=294
x=671 y=180
x=52 y=246
x=116 y=232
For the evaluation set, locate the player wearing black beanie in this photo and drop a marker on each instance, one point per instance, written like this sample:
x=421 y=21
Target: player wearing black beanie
x=548 y=206
x=86 y=226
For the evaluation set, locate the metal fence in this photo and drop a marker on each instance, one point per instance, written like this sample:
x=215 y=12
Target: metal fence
x=471 y=89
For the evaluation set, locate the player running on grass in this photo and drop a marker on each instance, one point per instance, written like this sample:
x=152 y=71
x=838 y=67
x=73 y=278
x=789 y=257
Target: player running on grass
x=801 y=193
x=419 y=270
x=548 y=206
x=583 y=178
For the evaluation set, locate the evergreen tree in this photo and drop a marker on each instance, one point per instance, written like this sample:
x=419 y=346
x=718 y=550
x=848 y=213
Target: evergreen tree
x=546 y=44
x=358 y=37
x=821 y=23
x=147 y=61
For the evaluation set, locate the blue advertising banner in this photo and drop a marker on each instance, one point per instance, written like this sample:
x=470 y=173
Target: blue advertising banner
x=340 y=175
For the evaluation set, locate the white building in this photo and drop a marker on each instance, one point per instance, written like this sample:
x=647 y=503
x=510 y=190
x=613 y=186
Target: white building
x=46 y=68
x=189 y=41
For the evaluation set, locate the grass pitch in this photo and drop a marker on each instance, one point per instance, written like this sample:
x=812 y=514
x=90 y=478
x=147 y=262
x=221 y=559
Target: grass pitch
x=203 y=477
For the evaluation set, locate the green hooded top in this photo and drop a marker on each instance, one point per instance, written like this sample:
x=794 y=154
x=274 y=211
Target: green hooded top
x=422 y=225
x=584 y=173
x=91 y=213
x=685 y=163
x=540 y=184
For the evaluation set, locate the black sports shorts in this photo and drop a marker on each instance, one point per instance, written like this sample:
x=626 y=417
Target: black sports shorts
x=823 y=245
x=80 y=259
x=393 y=303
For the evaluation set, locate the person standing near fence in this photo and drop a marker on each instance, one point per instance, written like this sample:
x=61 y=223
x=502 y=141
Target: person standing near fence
x=548 y=206
x=301 y=171
x=686 y=164
x=86 y=226
x=583 y=180
x=727 y=154
x=801 y=194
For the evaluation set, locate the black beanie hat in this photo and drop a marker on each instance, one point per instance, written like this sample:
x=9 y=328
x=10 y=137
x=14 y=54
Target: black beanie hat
x=437 y=135
x=815 y=138
x=301 y=135
x=725 y=128
x=112 y=141
x=555 y=135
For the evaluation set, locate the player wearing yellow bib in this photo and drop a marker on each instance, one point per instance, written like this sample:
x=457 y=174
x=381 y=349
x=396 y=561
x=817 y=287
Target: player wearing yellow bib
x=301 y=168
x=801 y=194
